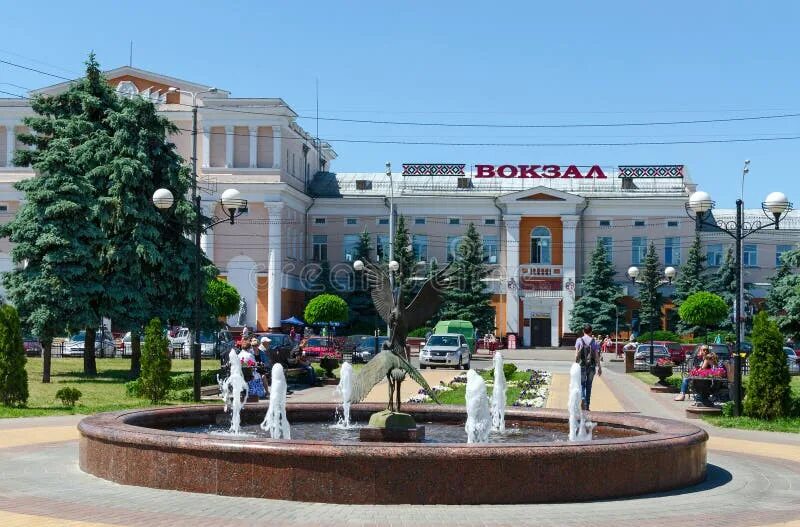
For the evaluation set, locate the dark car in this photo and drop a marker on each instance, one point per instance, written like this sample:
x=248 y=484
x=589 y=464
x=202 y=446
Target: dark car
x=33 y=348
x=365 y=349
x=349 y=346
x=676 y=353
x=722 y=351
x=280 y=346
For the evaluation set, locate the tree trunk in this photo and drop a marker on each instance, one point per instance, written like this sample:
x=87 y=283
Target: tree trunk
x=47 y=347
x=89 y=364
x=136 y=354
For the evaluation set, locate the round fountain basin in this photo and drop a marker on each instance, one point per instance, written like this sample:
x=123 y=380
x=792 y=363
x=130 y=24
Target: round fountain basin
x=170 y=448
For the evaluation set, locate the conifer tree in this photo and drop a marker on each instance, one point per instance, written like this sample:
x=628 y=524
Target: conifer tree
x=597 y=304
x=723 y=283
x=690 y=280
x=363 y=316
x=13 y=376
x=156 y=364
x=783 y=300
x=650 y=299
x=404 y=255
x=469 y=299
x=769 y=391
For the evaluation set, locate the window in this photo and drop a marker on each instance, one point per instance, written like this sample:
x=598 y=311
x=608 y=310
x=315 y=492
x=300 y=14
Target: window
x=750 y=256
x=672 y=223
x=351 y=221
x=605 y=223
x=420 y=245
x=638 y=249
x=490 y=249
x=779 y=250
x=383 y=221
x=319 y=221
x=454 y=221
x=382 y=246
x=608 y=243
x=672 y=251
x=3 y=208
x=541 y=251
x=419 y=221
x=714 y=255
x=319 y=247
x=638 y=223
x=453 y=243
x=489 y=221
x=350 y=247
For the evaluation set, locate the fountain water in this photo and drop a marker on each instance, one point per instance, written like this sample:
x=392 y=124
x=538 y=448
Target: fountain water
x=479 y=419
x=580 y=428
x=499 y=395
x=275 y=422
x=345 y=391
x=231 y=390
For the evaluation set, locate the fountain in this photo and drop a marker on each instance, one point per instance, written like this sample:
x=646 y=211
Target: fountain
x=345 y=390
x=231 y=390
x=499 y=395
x=479 y=419
x=580 y=428
x=275 y=421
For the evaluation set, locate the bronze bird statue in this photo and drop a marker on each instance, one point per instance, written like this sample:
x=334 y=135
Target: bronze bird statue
x=393 y=362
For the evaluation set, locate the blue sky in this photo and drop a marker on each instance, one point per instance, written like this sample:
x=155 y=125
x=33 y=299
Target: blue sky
x=468 y=62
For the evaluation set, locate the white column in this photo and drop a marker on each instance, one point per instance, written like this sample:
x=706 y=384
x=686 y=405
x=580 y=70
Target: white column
x=275 y=266
x=207 y=238
x=276 y=146
x=554 y=336
x=229 y=146
x=569 y=225
x=253 y=146
x=512 y=273
x=206 y=160
x=10 y=140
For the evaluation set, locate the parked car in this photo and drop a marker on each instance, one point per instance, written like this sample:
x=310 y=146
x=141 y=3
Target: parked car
x=280 y=346
x=641 y=357
x=317 y=347
x=349 y=344
x=722 y=351
x=675 y=350
x=462 y=327
x=103 y=344
x=792 y=360
x=212 y=343
x=33 y=348
x=449 y=349
x=365 y=348
x=127 y=348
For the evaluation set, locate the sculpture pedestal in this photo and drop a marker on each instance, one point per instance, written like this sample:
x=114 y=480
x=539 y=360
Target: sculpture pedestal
x=393 y=427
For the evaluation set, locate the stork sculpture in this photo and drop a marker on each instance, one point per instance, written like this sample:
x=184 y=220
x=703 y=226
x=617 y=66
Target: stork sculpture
x=393 y=362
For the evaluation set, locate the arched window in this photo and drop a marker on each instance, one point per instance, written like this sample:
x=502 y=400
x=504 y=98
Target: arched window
x=541 y=246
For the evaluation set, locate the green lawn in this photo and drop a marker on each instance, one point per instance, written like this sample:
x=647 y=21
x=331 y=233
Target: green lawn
x=647 y=378
x=458 y=395
x=105 y=392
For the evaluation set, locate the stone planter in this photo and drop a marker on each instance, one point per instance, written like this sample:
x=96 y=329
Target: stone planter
x=329 y=364
x=705 y=388
x=662 y=372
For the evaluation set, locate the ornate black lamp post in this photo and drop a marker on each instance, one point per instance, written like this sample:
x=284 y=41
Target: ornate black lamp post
x=699 y=207
x=669 y=274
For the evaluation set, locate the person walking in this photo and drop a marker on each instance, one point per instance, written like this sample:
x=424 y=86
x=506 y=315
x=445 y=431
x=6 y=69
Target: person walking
x=587 y=353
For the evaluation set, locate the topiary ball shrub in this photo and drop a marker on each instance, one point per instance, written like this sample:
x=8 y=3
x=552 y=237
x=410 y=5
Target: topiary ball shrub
x=68 y=396
x=509 y=370
x=769 y=394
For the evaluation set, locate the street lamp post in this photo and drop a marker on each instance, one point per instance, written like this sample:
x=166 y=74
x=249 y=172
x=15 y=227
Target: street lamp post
x=391 y=235
x=669 y=274
x=775 y=207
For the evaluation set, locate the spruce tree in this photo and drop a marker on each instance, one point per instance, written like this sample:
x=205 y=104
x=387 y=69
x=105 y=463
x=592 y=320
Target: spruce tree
x=690 y=280
x=404 y=255
x=55 y=234
x=13 y=376
x=723 y=283
x=783 y=300
x=156 y=364
x=650 y=299
x=769 y=392
x=363 y=317
x=469 y=298
x=599 y=294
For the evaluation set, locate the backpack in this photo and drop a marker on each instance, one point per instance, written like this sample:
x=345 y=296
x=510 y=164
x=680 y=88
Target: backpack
x=586 y=356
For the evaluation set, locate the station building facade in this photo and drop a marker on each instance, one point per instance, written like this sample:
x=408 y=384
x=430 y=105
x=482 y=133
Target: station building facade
x=539 y=223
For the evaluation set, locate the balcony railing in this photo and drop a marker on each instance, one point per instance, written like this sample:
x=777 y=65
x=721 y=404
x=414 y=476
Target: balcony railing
x=539 y=270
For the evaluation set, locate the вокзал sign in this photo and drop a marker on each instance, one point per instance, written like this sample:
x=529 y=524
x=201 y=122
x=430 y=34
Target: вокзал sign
x=538 y=171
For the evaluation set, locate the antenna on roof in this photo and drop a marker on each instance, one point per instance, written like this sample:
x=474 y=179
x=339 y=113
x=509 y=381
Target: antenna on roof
x=317 y=87
x=130 y=56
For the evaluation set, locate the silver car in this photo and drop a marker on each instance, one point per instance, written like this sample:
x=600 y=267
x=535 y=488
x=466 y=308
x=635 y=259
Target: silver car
x=103 y=344
x=448 y=349
x=641 y=358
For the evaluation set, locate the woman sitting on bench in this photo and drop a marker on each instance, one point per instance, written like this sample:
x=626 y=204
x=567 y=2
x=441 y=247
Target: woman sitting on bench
x=705 y=360
x=298 y=359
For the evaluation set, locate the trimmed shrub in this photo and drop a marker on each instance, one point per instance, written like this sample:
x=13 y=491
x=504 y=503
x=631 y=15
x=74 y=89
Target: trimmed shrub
x=13 y=377
x=769 y=394
x=68 y=396
x=703 y=309
x=154 y=381
x=326 y=308
x=659 y=335
x=509 y=370
x=419 y=332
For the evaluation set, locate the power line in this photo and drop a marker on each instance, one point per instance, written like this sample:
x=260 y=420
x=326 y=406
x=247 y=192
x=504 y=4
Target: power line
x=35 y=70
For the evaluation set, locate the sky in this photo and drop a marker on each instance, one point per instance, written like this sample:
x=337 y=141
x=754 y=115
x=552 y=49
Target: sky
x=501 y=63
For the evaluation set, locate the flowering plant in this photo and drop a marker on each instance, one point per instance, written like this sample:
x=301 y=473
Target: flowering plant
x=665 y=363
x=710 y=373
x=248 y=362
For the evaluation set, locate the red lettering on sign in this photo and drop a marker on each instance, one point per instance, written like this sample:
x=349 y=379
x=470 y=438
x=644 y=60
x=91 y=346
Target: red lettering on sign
x=596 y=172
x=528 y=171
x=485 y=170
x=572 y=172
x=507 y=171
x=551 y=171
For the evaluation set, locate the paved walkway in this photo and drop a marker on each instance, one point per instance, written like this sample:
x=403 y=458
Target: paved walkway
x=754 y=478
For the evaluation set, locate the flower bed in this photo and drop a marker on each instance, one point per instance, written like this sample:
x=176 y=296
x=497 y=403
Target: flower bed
x=531 y=390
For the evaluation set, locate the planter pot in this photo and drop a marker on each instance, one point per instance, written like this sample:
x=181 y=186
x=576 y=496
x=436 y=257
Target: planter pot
x=705 y=388
x=662 y=372
x=329 y=364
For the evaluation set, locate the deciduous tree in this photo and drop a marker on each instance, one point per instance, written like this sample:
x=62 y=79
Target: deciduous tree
x=690 y=280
